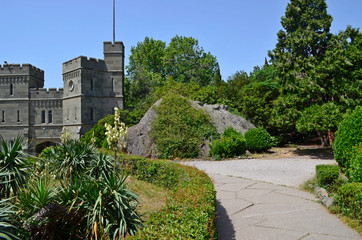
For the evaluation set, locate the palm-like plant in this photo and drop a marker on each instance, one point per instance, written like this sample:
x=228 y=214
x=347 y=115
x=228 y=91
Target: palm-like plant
x=14 y=167
x=100 y=164
x=71 y=158
x=6 y=228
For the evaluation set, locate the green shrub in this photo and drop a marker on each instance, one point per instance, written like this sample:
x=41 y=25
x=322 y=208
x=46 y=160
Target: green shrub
x=179 y=130
x=190 y=210
x=258 y=140
x=14 y=166
x=349 y=200
x=354 y=171
x=231 y=144
x=327 y=175
x=348 y=135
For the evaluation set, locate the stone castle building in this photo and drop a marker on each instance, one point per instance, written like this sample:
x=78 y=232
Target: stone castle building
x=92 y=88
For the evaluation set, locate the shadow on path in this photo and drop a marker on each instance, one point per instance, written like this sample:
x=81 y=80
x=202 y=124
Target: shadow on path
x=224 y=225
x=315 y=153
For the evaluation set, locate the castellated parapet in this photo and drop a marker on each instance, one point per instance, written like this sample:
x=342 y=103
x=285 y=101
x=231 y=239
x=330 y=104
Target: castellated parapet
x=44 y=93
x=85 y=63
x=25 y=69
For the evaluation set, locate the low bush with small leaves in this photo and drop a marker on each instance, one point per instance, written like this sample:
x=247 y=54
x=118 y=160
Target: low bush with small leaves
x=354 y=170
x=231 y=144
x=258 y=140
x=327 y=175
x=349 y=200
x=189 y=212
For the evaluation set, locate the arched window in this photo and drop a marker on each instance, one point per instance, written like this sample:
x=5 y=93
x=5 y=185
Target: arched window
x=50 y=116
x=11 y=89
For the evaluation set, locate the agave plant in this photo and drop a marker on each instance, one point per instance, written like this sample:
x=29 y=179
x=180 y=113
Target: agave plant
x=14 y=166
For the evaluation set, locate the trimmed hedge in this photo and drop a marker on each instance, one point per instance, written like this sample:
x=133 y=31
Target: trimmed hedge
x=231 y=144
x=349 y=200
x=348 y=135
x=190 y=210
x=258 y=140
x=327 y=174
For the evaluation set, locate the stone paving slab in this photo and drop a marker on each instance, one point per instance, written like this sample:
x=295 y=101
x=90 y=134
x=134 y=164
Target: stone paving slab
x=253 y=205
x=259 y=211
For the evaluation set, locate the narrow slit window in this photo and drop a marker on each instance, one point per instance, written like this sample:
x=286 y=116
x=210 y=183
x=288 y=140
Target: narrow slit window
x=11 y=89
x=3 y=116
x=43 y=116
x=112 y=85
x=50 y=116
x=67 y=113
x=91 y=84
x=75 y=113
x=18 y=116
x=91 y=114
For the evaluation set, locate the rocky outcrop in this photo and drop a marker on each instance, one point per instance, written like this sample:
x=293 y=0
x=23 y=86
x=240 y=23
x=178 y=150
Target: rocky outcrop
x=140 y=143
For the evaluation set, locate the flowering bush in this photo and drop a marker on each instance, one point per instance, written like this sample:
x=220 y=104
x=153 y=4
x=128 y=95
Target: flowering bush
x=117 y=134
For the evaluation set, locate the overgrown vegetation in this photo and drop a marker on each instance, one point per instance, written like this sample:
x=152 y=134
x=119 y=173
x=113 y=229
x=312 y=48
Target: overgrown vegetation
x=179 y=130
x=327 y=175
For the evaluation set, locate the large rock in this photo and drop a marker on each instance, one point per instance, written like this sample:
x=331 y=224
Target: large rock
x=140 y=143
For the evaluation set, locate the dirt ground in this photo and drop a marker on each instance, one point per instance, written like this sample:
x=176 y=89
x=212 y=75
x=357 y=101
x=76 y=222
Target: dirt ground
x=312 y=151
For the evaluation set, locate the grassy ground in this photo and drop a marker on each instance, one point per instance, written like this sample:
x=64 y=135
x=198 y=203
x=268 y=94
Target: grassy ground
x=152 y=197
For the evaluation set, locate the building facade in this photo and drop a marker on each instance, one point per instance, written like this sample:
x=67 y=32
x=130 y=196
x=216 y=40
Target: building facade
x=92 y=88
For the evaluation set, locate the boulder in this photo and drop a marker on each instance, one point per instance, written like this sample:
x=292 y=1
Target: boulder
x=139 y=141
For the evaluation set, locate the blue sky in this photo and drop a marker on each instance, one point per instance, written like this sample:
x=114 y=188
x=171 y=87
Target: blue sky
x=239 y=33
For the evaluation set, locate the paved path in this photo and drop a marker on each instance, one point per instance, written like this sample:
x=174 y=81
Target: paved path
x=252 y=205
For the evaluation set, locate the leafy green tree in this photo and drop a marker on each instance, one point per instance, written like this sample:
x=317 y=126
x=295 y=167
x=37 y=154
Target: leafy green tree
x=323 y=119
x=145 y=70
x=185 y=61
x=300 y=47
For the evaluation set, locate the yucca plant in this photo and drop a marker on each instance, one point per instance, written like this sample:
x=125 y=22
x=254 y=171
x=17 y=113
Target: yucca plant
x=101 y=163
x=7 y=229
x=69 y=159
x=112 y=212
x=14 y=166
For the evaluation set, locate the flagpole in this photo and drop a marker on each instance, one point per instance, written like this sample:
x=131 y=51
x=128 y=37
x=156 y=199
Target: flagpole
x=114 y=21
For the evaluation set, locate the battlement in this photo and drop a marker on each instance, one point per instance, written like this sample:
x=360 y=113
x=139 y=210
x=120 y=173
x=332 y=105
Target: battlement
x=25 y=69
x=46 y=93
x=116 y=47
x=84 y=62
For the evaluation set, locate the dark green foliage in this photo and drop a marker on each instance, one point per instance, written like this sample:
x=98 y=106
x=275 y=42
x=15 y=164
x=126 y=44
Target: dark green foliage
x=6 y=222
x=258 y=140
x=189 y=212
x=69 y=159
x=179 y=130
x=349 y=134
x=349 y=200
x=129 y=118
x=327 y=175
x=231 y=144
x=354 y=170
x=14 y=166
x=109 y=206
